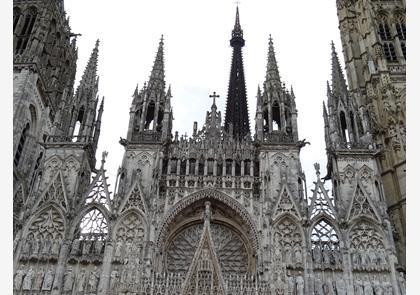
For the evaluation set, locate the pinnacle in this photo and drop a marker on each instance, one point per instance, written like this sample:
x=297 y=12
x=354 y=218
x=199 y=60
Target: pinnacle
x=237 y=33
x=157 y=76
x=339 y=86
x=272 y=68
x=89 y=77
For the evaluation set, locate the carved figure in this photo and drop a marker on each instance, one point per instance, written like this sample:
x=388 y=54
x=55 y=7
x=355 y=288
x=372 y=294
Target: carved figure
x=367 y=288
x=326 y=256
x=48 y=280
x=358 y=287
x=341 y=287
x=288 y=257
x=75 y=247
x=68 y=280
x=291 y=285
x=46 y=247
x=114 y=280
x=38 y=280
x=27 y=281
x=118 y=248
x=401 y=281
x=317 y=255
x=86 y=247
x=93 y=280
x=81 y=282
x=17 y=282
x=300 y=285
x=98 y=246
x=298 y=256
x=55 y=248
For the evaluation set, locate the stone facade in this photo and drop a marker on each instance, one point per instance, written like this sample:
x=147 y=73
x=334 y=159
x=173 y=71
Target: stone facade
x=219 y=212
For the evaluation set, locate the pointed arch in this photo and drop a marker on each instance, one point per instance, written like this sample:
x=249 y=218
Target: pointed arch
x=26 y=29
x=21 y=145
x=92 y=223
x=55 y=192
x=324 y=233
x=361 y=205
x=98 y=192
x=276 y=116
x=130 y=227
x=134 y=200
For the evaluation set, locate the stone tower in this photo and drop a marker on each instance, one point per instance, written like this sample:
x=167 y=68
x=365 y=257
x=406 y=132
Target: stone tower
x=373 y=35
x=219 y=212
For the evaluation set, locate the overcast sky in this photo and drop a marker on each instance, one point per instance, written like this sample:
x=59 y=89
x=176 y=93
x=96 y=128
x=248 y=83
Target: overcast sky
x=198 y=57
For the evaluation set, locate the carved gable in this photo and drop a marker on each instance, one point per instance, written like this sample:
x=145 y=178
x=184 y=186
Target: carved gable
x=55 y=192
x=134 y=199
x=361 y=205
x=285 y=204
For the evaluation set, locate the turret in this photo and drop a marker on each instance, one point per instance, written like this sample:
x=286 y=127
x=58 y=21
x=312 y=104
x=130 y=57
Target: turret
x=148 y=106
x=276 y=106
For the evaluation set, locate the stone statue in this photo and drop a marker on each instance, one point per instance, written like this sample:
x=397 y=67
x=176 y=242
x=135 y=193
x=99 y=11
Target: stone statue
x=26 y=247
x=93 y=280
x=288 y=257
x=75 y=247
x=35 y=248
x=46 y=247
x=291 y=285
x=55 y=248
x=377 y=288
x=118 y=248
x=27 y=281
x=48 y=280
x=17 y=282
x=387 y=288
x=300 y=285
x=114 y=280
x=367 y=288
x=68 y=280
x=38 y=280
x=326 y=256
x=86 y=247
x=98 y=246
x=81 y=282
x=298 y=256
x=317 y=255
x=355 y=258
x=341 y=287
x=358 y=287
x=401 y=281
x=318 y=287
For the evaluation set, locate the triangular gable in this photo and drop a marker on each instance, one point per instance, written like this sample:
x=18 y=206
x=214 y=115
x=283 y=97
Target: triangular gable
x=98 y=190
x=55 y=192
x=204 y=267
x=361 y=205
x=285 y=204
x=321 y=203
x=134 y=199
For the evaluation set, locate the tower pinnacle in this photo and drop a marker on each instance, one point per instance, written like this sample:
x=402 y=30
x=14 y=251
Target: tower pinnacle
x=89 y=77
x=339 y=86
x=157 y=76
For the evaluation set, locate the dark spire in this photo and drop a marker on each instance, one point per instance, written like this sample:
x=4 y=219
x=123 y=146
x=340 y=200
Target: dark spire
x=236 y=104
x=339 y=86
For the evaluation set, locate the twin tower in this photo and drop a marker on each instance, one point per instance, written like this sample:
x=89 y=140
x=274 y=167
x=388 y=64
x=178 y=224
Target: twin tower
x=220 y=212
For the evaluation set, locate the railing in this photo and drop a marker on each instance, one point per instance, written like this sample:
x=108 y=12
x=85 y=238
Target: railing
x=278 y=137
x=63 y=138
x=147 y=137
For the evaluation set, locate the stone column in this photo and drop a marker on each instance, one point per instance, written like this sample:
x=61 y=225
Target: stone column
x=178 y=166
x=233 y=167
x=347 y=272
x=61 y=265
x=251 y=171
x=106 y=268
x=205 y=167
x=224 y=168
x=187 y=169
x=242 y=168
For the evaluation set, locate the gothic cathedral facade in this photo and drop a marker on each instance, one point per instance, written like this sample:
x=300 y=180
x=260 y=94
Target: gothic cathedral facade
x=221 y=211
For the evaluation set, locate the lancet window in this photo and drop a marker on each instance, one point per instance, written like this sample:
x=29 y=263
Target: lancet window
x=24 y=34
x=21 y=144
x=324 y=236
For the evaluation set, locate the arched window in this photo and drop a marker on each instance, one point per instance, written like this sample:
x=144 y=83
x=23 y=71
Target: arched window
x=201 y=166
x=276 y=116
x=238 y=167
x=192 y=167
x=165 y=163
x=174 y=162
x=403 y=49
x=383 y=30
x=229 y=167
x=24 y=34
x=21 y=144
x=400 y=27
x=34 y=173
x=265 y=123
x=16 y=16
x=150 y=115
x=379 y=191
x=210 y=166
x=220 y=168
x=247 y=167
x=344 y=129
x=183 y=168
x=93 y=226
x=389 y=52
x=324 y=236
x=78 y=124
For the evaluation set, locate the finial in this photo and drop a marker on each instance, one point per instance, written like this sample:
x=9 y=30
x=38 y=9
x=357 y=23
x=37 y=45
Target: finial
x=317 y=167
x=270 y=40
x=161 y=38
x=104 y=155
x=214 y=95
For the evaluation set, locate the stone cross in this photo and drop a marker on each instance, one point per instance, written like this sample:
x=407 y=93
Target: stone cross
x=214 y=96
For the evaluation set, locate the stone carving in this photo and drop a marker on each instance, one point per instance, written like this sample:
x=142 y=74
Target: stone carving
x=39 y=277
x=68 y=281
x=300 y=285
x=361 y=205
x=27 y=281
x=113 y=280
x=48 y=280
x=358 y=287
x=401 y=282
x=81 y=281
x=341 y=287
x=92 y=281
x=47 y=225
x=55 y=192
x=17 y=282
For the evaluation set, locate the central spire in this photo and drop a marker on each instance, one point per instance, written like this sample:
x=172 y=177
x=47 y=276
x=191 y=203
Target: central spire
x=236 y=105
